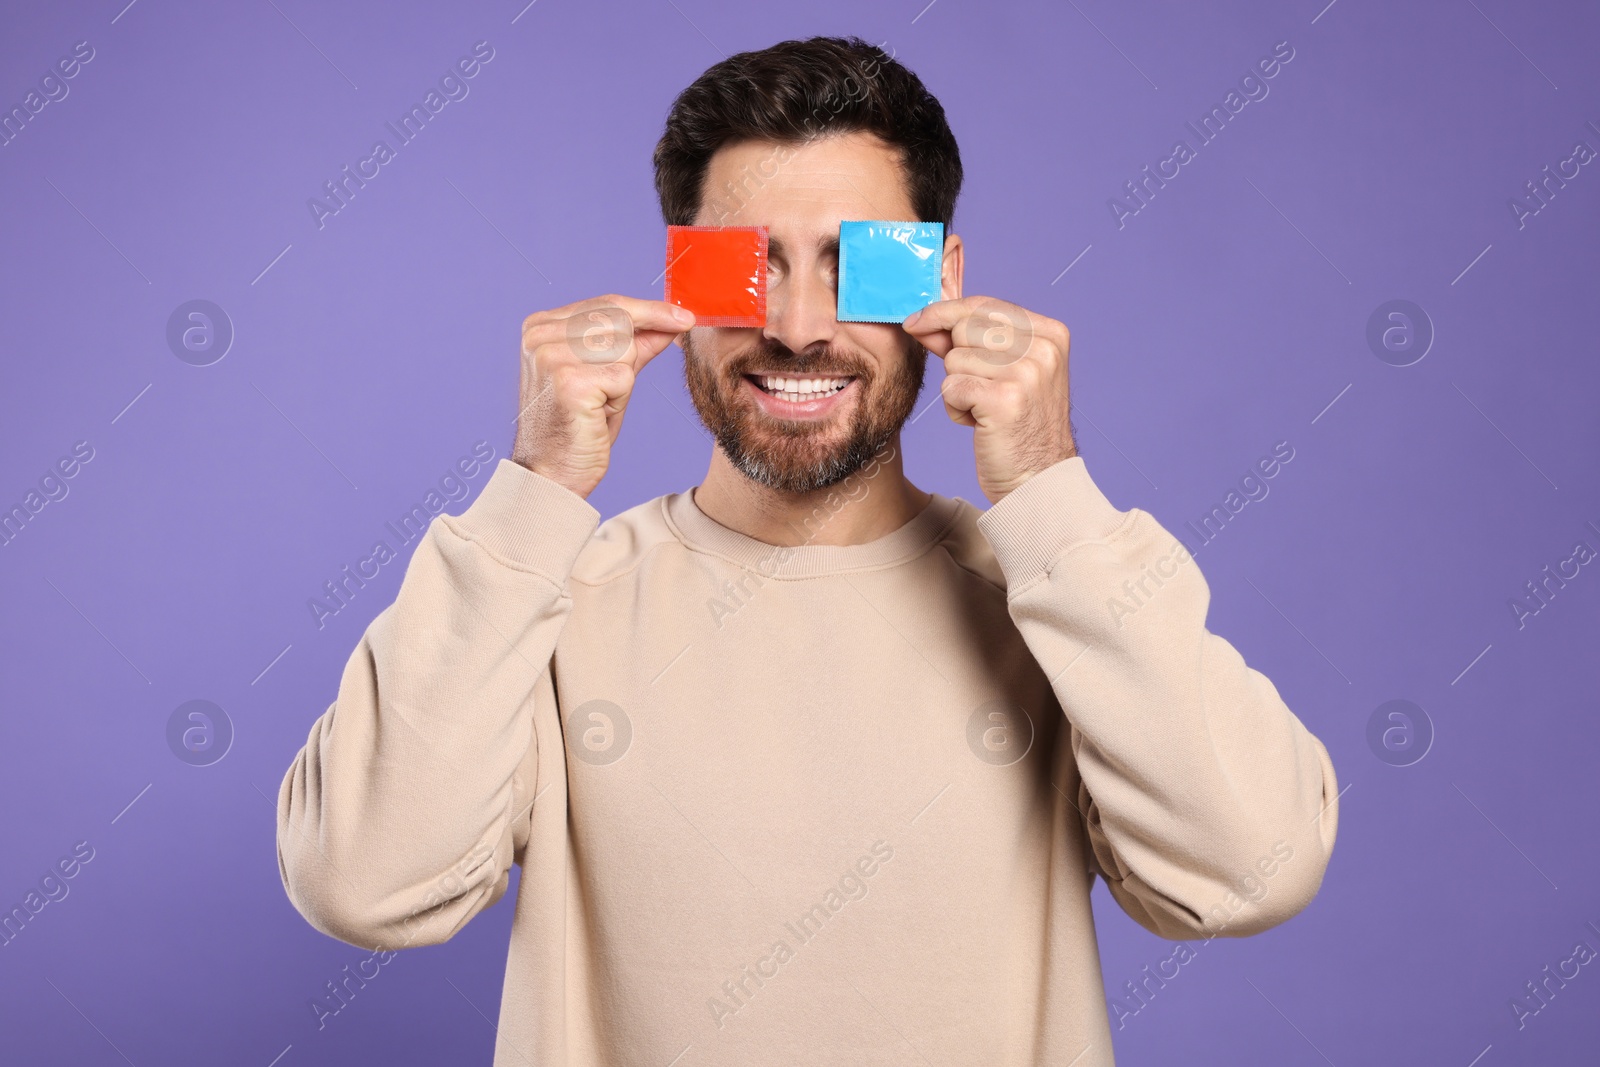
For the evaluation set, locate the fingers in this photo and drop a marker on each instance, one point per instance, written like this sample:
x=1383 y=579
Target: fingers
x=993 y=340
x=585 y=390
x=1003 y=329
x=645 y=314
x=944 y=314
x=933 y=325
x=579 y=366
x=1034 y=375
x=962 y=393
x=607 y=329
x=648 y=344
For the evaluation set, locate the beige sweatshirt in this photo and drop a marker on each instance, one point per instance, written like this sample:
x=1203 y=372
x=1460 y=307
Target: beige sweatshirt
x=822 y=804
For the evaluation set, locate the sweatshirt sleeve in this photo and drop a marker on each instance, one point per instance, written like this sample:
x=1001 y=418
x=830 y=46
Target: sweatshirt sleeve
x=1208 y=807
x=400 y=818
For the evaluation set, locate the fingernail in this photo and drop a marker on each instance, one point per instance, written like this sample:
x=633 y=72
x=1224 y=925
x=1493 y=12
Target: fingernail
x=912 y=321
x=683 y=315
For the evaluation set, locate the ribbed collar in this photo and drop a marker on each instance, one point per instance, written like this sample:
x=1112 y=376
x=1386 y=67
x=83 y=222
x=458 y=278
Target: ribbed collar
x=701 y=532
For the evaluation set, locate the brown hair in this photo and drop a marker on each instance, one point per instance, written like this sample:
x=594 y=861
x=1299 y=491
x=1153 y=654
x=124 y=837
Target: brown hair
x=795 y=91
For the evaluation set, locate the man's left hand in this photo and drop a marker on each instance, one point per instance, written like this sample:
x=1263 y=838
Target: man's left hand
x=1006 y=377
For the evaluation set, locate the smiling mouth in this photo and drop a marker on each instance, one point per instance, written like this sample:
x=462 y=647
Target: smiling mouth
x=798 y=390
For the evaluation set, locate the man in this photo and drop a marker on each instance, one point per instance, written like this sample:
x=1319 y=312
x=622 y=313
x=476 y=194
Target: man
x=805 y=764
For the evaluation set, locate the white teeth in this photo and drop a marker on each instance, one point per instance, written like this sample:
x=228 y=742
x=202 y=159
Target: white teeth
x=796 y=389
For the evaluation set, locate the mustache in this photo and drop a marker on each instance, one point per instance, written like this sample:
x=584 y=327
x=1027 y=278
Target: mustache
x=822 y=360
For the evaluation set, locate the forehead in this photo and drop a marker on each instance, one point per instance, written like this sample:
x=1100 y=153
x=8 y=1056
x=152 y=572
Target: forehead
x=804 y=190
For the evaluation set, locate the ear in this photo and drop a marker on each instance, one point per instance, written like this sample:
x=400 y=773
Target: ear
x=950 y=268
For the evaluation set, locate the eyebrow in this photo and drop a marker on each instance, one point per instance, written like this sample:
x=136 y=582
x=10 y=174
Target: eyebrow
x=827 y=245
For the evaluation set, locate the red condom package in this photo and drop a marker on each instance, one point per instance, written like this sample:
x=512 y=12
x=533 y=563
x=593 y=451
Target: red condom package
x=719 y=273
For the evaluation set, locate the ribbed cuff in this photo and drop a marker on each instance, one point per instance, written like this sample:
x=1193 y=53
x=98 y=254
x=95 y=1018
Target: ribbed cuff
x=530 y=520
x=1044 y=516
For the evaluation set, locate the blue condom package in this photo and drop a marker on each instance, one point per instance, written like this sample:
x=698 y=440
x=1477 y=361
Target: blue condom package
x=887 y=270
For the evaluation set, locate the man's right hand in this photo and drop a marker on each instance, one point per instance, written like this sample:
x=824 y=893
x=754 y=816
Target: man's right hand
x=579 y=365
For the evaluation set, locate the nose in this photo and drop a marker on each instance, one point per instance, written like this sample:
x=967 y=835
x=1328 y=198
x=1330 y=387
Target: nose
x=801 y=308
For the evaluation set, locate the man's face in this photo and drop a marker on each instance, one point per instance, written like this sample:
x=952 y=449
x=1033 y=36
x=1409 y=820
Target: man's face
x=858 y=382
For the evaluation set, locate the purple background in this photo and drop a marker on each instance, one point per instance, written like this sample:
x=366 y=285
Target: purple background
x=1228 y=315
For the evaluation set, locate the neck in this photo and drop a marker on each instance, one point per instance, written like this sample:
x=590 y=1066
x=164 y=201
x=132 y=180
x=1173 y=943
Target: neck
x=873 y=502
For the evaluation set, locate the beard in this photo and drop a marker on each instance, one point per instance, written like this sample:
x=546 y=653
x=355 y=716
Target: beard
x=803 y=455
